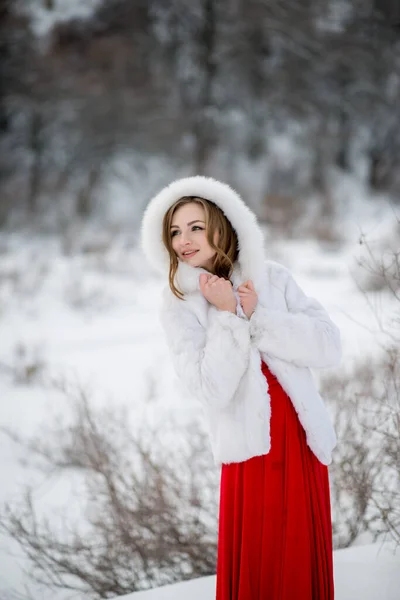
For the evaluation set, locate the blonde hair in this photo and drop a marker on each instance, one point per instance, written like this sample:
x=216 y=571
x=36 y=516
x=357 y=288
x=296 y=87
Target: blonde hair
x=227 y=251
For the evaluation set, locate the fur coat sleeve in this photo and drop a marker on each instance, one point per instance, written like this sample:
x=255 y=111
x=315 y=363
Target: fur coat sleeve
x=303 y=334
x=209 y=361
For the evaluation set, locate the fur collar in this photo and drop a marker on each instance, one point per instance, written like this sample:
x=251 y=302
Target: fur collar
x=251 y=247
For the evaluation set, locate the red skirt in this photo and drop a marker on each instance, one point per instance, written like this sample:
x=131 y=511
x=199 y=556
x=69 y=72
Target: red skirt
x=275 y=533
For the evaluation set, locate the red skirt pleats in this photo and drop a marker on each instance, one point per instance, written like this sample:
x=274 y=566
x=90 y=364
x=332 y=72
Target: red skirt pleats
x=275 y=533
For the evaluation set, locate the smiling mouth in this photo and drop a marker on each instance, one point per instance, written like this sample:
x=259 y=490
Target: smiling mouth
x=190 y=254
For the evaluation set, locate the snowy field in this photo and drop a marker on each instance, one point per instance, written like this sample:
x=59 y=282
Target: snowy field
x=369 y=572
x=90 y=317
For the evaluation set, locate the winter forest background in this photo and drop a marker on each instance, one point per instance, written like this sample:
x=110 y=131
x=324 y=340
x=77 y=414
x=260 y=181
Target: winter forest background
x=107 y=482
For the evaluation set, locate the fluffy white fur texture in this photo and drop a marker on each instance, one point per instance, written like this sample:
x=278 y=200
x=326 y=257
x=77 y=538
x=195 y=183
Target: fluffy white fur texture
x=217 y=355
x=252 y=254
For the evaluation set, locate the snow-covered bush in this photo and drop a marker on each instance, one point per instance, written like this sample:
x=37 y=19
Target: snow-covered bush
x=366 y=407
x=365 y=474
x=148 y=512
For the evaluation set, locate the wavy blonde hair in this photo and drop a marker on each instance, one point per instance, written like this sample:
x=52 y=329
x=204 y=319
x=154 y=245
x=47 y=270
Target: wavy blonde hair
x=227 y=251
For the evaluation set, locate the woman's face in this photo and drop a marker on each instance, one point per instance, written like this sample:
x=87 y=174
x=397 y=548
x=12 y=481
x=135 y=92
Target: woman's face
x=188 y=236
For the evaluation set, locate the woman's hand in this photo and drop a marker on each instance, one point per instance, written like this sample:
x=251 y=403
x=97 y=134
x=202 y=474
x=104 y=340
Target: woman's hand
x=248 y=297
x=218 y=291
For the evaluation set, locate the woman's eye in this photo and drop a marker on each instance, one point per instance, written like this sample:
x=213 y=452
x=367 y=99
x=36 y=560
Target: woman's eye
x=176 y=231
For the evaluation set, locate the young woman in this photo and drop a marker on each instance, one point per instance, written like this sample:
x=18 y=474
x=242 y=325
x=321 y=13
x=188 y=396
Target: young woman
x=243 y=338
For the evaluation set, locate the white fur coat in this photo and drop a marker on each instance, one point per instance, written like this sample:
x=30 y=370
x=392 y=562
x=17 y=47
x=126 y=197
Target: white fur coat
x=217 y=355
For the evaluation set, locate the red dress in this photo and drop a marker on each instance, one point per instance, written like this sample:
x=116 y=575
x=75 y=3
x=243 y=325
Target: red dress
x=275 y=534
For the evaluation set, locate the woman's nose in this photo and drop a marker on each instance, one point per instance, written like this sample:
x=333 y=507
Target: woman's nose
x=185 y=239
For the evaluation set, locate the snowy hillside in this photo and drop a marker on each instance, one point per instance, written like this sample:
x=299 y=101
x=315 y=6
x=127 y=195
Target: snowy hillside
x=90 y=317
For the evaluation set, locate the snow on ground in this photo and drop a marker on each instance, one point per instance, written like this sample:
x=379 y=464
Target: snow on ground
x=362 y=573
x=91 y=317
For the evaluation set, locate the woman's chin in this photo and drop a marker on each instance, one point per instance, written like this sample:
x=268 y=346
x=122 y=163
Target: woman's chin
x=189 y=263
x=195 y=264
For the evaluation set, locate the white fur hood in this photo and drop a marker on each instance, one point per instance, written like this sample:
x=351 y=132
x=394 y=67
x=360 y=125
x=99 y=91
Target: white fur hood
x=251 y=248
x=217 y=354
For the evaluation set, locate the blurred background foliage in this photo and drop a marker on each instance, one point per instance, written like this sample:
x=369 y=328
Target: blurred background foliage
x=271 y=96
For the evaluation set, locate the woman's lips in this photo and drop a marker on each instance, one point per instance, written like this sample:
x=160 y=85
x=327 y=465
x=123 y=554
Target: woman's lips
x=190 y=255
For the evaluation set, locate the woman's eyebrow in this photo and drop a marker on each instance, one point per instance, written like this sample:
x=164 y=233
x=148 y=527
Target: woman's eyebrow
x=190 y=223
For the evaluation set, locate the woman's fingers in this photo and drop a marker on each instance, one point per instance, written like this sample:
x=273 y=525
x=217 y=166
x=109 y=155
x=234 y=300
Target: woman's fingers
x=213 y=279
x=247 y=285
x=206 y=279
x=203 y=280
